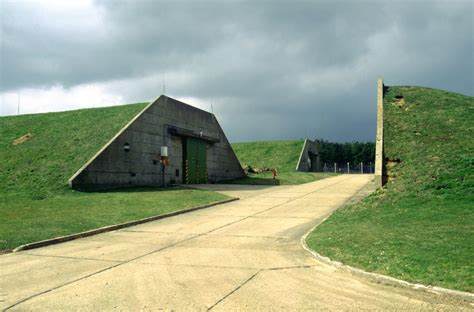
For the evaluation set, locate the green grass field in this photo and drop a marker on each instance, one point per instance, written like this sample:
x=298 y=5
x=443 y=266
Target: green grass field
x=282 y=155
x=26 y=220
x=61 y=143
x=35 y=200
x=420 y=227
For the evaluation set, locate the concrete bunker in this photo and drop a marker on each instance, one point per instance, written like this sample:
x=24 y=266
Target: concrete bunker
x=310 y=160
x=196 y=148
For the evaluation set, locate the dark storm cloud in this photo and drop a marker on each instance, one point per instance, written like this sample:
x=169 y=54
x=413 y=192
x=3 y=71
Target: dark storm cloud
x=273 y=70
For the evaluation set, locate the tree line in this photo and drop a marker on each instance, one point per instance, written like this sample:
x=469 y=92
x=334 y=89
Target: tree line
x=352 y=152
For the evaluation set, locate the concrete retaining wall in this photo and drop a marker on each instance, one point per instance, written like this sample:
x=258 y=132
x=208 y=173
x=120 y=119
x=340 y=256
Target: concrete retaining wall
x=114 y=166
x=309 y=157
x=379 y=155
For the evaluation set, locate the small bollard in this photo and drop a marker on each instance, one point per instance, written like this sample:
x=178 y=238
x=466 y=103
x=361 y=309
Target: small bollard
x=348 y=168
x=335 y=167
x=361 y=167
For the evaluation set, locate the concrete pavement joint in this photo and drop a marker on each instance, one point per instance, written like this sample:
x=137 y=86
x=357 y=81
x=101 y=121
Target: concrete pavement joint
x=281 y=217
x=198 y=266
x=252 y=277
x=73 y=258
x=290 y=268
x=249 y=279
x=159 y=232
x=59 y=286
x=92 y=274
x=249 y=236
x=235 y=289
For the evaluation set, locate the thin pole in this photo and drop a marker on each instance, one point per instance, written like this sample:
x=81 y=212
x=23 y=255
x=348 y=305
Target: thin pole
x=163 y=180
x=18 y=106
x=348 y=168
x=361 y=167
x=335 y=167
x=164 y=86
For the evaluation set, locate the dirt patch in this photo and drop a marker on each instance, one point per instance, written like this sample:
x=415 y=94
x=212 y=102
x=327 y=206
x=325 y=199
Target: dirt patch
x=389 y=165
x=23 y=138
x=400 y=102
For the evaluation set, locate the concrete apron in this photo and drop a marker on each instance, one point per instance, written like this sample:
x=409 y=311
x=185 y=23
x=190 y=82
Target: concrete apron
x=241 y=255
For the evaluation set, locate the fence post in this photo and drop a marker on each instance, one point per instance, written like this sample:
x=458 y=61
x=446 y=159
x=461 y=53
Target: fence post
x=361 y=167
x=335 y=167
x=348 y=168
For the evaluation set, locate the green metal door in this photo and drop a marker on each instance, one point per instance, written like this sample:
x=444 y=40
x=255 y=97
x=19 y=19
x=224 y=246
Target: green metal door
x=195 y=161
x=201 y=167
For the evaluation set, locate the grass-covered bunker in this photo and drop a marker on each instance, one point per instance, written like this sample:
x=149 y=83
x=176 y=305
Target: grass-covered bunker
x=197 y=150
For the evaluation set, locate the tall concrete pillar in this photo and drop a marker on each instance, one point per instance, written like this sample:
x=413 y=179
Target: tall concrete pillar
x=379 y=180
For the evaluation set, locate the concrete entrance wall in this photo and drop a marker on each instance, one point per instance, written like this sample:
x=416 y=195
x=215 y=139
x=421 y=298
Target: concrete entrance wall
x=132 y=157
x=379 y=155
x=309 y=157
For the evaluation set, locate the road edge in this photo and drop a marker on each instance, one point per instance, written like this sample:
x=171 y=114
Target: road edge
x=109 y=228
x=380 y=278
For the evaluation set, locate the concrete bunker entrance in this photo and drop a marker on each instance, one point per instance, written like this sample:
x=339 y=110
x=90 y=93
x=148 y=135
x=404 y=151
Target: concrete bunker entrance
x=189 y=142
x=313 y=162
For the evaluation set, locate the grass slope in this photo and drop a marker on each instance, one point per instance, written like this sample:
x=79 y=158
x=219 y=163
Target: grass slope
x=35 y=201
x=62 y=142
x=25 y=220
x=282 y=155
x=421 y=226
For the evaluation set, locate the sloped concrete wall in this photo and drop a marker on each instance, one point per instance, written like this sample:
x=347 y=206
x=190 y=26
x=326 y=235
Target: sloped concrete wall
x=304 y=162
x=114 y=167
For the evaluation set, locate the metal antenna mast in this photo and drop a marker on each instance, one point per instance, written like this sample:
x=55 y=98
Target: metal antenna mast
x=164 y=86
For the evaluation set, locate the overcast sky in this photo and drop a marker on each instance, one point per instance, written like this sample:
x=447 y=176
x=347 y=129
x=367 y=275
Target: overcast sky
x=270 y=69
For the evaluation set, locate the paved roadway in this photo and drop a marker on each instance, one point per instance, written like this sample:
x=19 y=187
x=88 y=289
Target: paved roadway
x=244 y=255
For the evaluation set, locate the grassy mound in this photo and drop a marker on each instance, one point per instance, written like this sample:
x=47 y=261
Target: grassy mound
x=420 y=226
x=35 y=201
x=25 y=220
x=60 y=144
x=282 y=155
